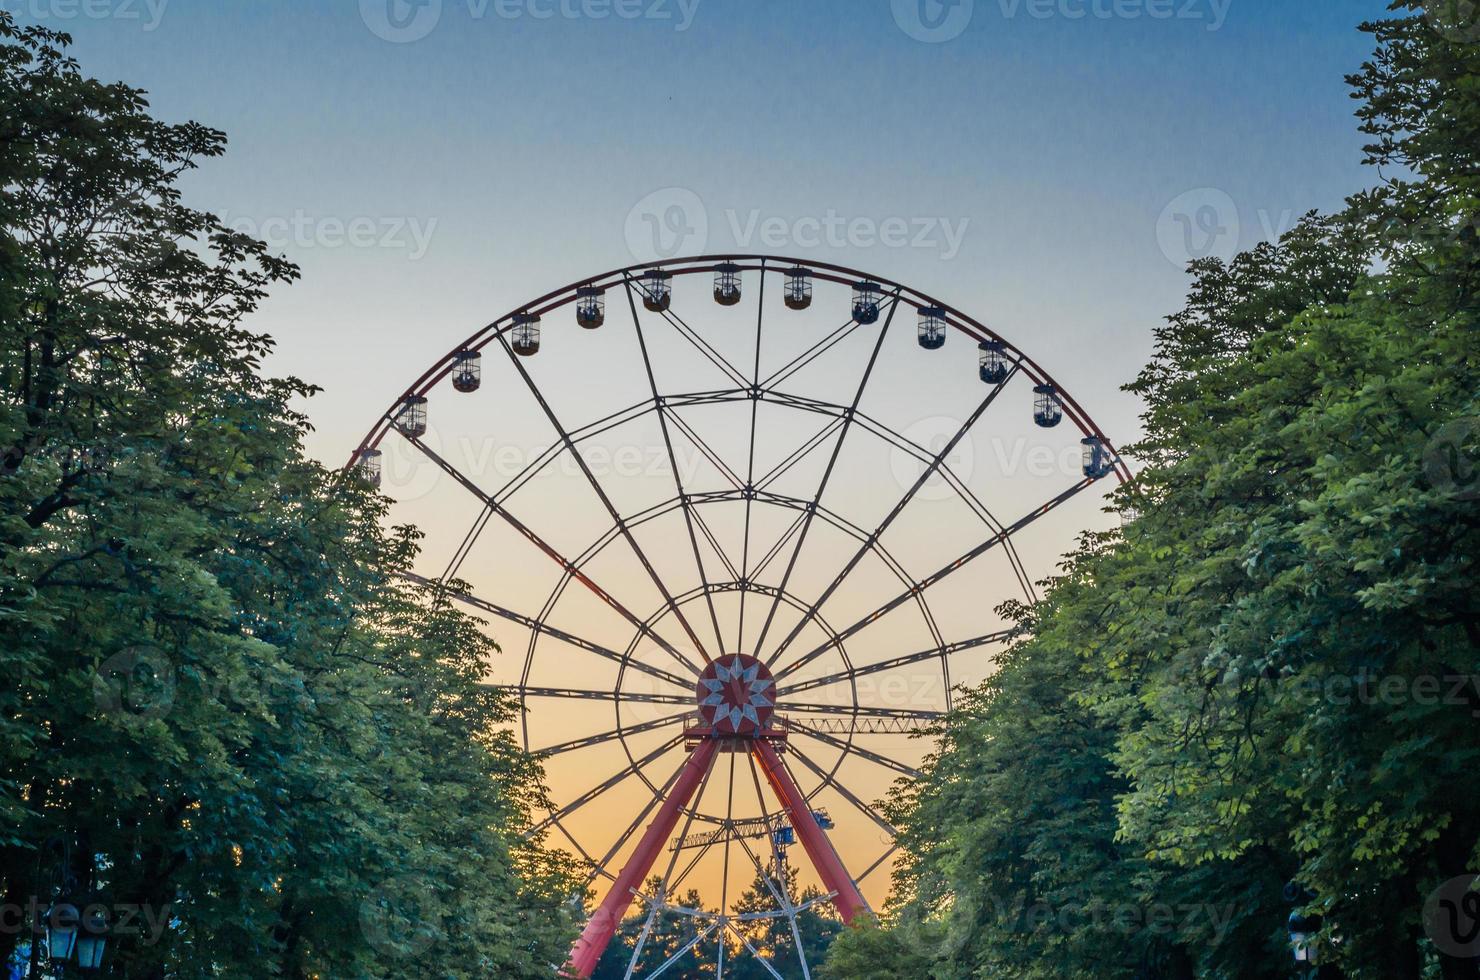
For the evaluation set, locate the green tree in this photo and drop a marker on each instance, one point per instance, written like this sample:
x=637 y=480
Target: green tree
x=221 y=702
x=662 y=935
x=817 y=925
x=1243 y=687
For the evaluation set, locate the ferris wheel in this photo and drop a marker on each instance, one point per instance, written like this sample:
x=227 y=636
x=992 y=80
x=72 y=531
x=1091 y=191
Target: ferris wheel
x=724 y=647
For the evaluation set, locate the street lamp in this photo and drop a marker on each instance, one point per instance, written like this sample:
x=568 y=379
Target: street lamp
x=92 y=939
x=1304 y=928
x=61 y=931
x=71 y=936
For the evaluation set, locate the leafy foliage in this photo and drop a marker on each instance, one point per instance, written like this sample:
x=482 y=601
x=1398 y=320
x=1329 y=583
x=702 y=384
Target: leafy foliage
x=1268 y=676
x=757 y=919
x=221 y=704
x=663 y=936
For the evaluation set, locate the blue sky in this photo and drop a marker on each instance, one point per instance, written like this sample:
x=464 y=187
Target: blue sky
x=428 y=185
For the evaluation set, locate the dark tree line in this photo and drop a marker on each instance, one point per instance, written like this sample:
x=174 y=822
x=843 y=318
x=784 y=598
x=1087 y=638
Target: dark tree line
x=225 y=721
x=1259 y=696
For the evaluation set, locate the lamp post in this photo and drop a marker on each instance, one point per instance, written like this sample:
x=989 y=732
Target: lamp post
x=92 y=939
x=61 y=931
x=1304 y=929
x=73 y=937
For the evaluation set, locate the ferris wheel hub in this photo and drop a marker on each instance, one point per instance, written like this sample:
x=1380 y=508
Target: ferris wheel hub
x=736 y=695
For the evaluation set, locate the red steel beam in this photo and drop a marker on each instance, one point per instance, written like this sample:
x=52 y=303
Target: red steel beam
x=848 y=899
x=603 y=925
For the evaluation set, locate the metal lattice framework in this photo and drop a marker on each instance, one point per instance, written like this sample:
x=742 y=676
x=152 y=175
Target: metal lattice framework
x=720 y=642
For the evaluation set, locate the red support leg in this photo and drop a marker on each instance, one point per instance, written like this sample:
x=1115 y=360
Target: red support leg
x=603 y=925
x=848 y=899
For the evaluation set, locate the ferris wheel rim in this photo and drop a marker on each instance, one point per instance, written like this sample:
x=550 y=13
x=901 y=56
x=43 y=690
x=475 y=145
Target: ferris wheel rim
x=752 y=262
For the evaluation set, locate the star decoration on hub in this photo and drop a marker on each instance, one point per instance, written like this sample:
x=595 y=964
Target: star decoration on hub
x=737 y=695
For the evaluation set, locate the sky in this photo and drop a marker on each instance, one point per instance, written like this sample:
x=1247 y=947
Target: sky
x=1047 y=166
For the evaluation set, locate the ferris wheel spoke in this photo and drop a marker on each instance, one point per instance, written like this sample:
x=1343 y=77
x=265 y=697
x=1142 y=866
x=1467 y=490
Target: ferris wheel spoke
x=647 y=929
x=781 y=468
x=708 y=451
x=802 y=728
x=828 y=779
x=544 y=546
x=539 y=626
x=724 y=888
x=765 y=963
x=719 y=550
x=689 y=334
x=661 y=897
x=908 y=659
x=779 y=546
x=893 y=849
x=889 y=519
x=832 y=462
x=538 y=465
x=810 y=354
x=607 y=736
x=786 y=908
x=605 y=785
x=688 y=510
x=962 y=491
x=599 y=868
x=783 y=897
x=755 y=404
x=939 y=576
x=684 y=951
x=607 y=503
x=847 y=715
x=576 y=694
